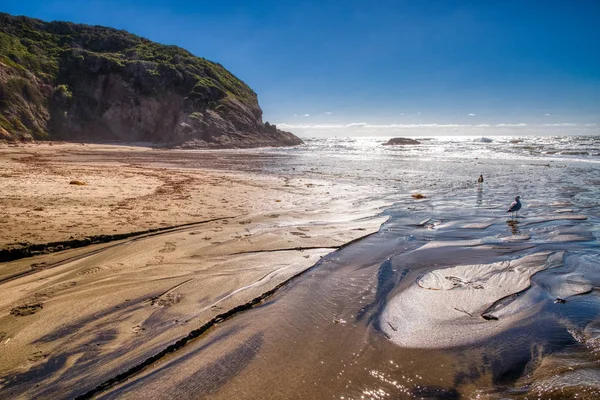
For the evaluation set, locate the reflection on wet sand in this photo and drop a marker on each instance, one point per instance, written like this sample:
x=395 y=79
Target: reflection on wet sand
x=514 y=226
x=462 y=308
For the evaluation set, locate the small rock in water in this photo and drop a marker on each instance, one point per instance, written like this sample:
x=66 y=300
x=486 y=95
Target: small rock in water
x=401 y=141
x=489 y=317
x=560 y=301
x=516 y=238
x=425 y=221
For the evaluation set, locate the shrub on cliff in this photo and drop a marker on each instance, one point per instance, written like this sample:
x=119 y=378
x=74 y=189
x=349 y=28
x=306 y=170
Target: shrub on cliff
x=66 y=80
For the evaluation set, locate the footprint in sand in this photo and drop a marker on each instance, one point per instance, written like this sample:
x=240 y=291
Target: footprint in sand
x=27 y=309
x=167 y=300
x=169 y=248
x=137 y=329
x=66 y=285
x=300 y=234
x=88 y=271
x=38 y=266
x=113 y=266
x=38 y=355
x=40 y=296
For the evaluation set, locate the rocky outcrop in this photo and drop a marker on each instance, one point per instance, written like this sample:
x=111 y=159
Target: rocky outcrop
x=401 y=141
x=70 y=82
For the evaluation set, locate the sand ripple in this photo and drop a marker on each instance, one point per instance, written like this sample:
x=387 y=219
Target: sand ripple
x=444 y=307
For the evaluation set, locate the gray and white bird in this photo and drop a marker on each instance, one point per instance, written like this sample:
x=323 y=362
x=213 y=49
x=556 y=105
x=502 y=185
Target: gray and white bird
x=515 y=206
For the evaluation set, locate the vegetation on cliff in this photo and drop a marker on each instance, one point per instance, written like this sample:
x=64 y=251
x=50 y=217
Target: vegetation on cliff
x=60 y=80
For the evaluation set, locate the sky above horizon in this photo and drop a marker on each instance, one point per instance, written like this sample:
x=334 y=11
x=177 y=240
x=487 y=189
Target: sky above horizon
x=383 y=67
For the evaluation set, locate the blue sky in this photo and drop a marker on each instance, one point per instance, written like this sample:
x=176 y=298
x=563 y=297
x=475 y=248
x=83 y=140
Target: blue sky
x=321 y=66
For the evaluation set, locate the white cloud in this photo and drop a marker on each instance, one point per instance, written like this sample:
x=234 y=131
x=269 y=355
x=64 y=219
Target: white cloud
x=328 y=113
x=563 y=124
x=306 y=115
x=356 y=125
x=374 y=129
x=401 y=113
x=471 y=115
x=547 y=115
x=360 y=125
x=295 y=115
x=419 y=126
x=372 y=126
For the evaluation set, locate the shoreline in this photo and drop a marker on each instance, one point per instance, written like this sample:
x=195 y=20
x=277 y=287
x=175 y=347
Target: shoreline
x=143 y=291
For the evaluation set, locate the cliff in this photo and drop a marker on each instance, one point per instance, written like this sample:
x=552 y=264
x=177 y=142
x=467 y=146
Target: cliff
x=65 y=81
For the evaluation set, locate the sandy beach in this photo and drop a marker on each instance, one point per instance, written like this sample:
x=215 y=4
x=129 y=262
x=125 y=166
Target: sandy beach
x=195 y=243
x=239 y=273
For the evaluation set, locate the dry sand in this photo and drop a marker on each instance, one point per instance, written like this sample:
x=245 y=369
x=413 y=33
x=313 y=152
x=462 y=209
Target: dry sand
x=77 y=317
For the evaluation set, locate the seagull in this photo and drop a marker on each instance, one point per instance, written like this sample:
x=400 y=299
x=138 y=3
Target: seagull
x=515 y=206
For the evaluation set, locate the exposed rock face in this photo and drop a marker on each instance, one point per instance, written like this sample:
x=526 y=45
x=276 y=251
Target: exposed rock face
x=76 y=82
x=401 y=141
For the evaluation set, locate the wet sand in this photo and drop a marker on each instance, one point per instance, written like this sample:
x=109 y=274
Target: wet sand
x=73 y=318
x=380 y=318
